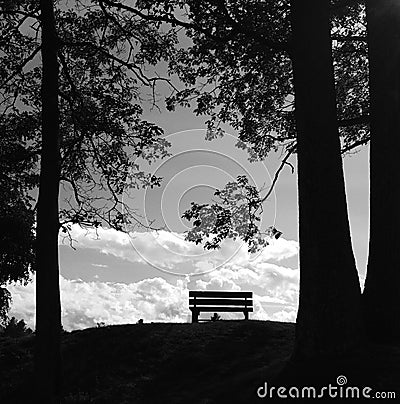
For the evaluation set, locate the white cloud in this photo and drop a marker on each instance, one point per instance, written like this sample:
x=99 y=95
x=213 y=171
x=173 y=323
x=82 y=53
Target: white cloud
x=84 y=304
x=100 y=265
x=275 y=287
x=166 y=250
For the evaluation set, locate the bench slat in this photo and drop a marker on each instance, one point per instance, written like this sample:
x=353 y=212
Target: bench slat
x=217 y=309
x=217 y=293
x=222 y=302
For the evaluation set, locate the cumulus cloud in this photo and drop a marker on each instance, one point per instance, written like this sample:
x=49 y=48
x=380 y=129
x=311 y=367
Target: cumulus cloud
x=87 y=303
x=166 y=250
x=84 y=304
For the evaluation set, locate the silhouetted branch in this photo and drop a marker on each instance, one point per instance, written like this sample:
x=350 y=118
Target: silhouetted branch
x=74 y=188
x=355 y=144
x=350 y=38
x=21 y=66
x=171 y=19
x=251 y=34
x=19 y=12
x=64 y=66
x=359 y=120
x=340 y=6
x=291 y=150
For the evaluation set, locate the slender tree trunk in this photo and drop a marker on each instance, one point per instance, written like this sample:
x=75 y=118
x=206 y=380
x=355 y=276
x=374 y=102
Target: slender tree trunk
x=382 y=286
x=48 y=309
x=329 y=307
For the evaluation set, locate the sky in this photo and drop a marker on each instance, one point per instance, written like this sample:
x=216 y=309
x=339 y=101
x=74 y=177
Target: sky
x=114 y=278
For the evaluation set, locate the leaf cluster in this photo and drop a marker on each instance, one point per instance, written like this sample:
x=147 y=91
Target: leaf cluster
x=235 y=214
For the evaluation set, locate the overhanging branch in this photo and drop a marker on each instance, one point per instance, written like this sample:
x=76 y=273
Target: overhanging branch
x=21 y=66
x=358 y=120
x=340 y=6
x=171 y=19
x=360 y=142
x=291 y=150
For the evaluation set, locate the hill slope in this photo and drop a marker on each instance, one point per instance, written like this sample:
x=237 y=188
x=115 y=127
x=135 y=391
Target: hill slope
x=224 y=361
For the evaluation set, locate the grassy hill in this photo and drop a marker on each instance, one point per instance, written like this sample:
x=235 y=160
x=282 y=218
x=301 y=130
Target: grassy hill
x=214 y=362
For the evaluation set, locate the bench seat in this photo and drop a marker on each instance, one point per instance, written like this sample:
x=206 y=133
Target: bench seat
x=219 y=301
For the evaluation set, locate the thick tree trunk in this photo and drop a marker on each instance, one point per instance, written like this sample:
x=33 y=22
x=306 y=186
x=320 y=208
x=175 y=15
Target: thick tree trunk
x=328 y=319
x=382 y=286
x=48 y=309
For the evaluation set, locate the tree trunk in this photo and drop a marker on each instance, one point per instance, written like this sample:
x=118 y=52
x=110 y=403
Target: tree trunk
x=328 y=319
x=48 y=308
x=382 y=286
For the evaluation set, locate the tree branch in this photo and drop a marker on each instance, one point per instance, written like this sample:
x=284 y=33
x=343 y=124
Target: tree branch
x=359 y=120
x=171 y=19
x=241 y=28
x=66 y=72
x=74 y=188
x=340 y=6
x=21 y=66
x=350 y=38
x=19 y=12
x=360 y=142
x=291 y=150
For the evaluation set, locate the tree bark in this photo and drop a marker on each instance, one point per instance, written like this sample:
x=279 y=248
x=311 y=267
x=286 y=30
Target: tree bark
x=328 y=320
x=48 y=308
x=382 y=285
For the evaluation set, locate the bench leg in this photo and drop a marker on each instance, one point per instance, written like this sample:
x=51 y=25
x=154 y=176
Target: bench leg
x=195 y=316
x=246 y=315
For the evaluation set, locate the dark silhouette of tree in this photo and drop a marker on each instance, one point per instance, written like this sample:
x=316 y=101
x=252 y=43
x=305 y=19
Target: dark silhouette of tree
x=328 y=319
x=16 y=212
x=16 y=329
x=248 y=54
x=380 y=298
x=79 y=108
x=17 y=245
x=48 y=306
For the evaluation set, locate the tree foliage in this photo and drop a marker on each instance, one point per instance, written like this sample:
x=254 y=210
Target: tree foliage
x=237 y=69
x=234 y=215
x=102 y=60
x=16 y=329
x=16 y=222
x=17 y=179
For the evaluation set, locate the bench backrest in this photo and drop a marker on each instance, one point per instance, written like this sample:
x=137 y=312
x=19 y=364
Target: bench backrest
x=206 y=300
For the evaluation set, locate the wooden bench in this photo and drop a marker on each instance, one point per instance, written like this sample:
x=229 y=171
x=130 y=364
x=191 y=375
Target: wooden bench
x=219 y=301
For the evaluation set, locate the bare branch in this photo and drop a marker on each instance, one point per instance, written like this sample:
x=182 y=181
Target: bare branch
x=74 y=188
x=291 y=150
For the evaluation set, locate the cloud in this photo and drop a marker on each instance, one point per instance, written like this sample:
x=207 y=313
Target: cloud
x=87 y=303
x=167 y=250
x=274 y=287
x=84 y=304
x=100 y=265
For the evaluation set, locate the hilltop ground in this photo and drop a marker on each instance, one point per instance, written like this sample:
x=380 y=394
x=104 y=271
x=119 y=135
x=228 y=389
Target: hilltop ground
x=207 y=363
